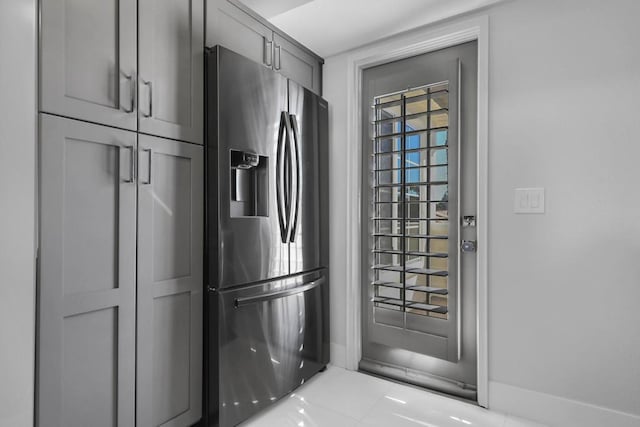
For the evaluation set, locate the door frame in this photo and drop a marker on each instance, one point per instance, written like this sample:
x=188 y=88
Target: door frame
x=411 y=44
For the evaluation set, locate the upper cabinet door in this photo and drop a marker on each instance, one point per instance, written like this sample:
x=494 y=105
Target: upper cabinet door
x=296 y=64
x=171 y=50
x=234 y=29
x=88 y=60
x=170 y=282
x=87 y=272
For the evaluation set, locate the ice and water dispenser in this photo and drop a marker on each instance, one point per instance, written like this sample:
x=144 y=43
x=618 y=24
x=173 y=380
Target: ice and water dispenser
x=249 y=184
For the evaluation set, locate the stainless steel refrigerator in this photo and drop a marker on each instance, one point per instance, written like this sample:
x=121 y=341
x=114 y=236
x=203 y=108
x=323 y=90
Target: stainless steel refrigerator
x=267 y=314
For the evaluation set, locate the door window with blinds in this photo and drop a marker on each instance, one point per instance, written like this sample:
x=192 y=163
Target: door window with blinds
x=411 y=197
x=413 y=214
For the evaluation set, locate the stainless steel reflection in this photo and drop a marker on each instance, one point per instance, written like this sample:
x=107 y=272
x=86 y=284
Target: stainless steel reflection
x=250 y=100
x=269 y=346
x=267 y=311
x=304 y=106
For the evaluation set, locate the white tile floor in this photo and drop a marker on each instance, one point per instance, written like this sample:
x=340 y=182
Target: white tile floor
x=341 y=398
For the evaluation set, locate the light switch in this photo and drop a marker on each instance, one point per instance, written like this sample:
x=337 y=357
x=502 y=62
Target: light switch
x=529 y=201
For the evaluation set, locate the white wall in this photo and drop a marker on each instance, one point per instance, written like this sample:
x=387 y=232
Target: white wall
x=564 y=287
x=17 y=210
x=335 y=91
x=565 y=79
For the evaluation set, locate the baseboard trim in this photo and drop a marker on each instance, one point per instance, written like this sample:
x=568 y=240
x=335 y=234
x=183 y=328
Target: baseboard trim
x=554 y=410
x=338 y=355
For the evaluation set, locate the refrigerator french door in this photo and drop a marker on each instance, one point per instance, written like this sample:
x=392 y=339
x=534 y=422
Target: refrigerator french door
x=267 y=278
x=305 y=241
x=244 y=106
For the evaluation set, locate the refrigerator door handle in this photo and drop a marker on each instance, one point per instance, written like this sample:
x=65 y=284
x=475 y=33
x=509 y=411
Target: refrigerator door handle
x=288 y=181
x=280 y=202
x=239 y=302
x=298 y=175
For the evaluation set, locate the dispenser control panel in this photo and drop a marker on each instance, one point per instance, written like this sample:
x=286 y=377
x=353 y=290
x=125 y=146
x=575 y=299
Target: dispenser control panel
x=248 y=160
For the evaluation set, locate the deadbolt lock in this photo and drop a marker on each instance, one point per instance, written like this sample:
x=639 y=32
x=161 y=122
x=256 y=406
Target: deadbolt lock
x=468 y=246
x=469 y=221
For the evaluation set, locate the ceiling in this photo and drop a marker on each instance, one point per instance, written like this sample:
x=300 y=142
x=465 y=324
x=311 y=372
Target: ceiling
x=271 y=8
x=329 y=27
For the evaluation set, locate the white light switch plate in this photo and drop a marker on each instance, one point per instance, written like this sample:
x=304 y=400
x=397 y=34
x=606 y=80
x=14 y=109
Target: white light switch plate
x=529 y=201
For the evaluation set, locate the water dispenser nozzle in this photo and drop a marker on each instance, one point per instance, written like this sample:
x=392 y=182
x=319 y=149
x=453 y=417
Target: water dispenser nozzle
x=248 y=161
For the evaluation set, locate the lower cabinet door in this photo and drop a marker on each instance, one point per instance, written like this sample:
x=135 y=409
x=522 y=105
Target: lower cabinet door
x=86 y=284
x=170 y=257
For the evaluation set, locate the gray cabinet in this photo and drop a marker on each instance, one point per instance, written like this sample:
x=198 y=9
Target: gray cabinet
x=170 y=300
x=87 y=262
x=232 y=28
x=90 y=54
x=107 y=319
x=296 y=64
x=171 y=54
x=88 y=60
x=236 y=27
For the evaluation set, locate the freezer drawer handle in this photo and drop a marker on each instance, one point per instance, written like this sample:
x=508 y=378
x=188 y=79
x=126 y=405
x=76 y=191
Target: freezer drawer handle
x=239 y=302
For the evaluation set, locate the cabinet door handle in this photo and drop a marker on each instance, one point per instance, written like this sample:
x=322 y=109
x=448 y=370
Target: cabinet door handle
x=148 y=150
x=268 y=52
x=150 y=86
x=277 y=61
x=132 y=93
x=131 y=164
